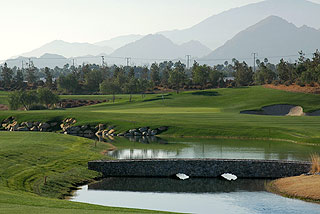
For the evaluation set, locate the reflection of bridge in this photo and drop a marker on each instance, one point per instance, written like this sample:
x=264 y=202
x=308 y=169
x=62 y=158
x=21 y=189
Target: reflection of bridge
x=199 y=168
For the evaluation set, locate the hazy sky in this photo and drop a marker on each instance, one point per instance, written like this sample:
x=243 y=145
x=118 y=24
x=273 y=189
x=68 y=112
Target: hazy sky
x=26 y=25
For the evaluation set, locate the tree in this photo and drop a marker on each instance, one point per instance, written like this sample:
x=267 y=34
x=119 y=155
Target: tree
x=216 y=78
x=93 y=79
x=155 y=75
x=31 y=77
x=177 y=76
x=47 y=97
x=166 y=68
x=109 y=86
x=243 y=74
x=200 y=74
x=49 y=78
x=264 y=75
x=145 y=73
x=68 y=84
x=18 y=79
x=131 y=87
x=6 y=75
x=22 y=98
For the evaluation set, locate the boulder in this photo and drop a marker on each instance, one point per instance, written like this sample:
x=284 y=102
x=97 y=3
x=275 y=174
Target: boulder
x=23 y=129
x=154 y=132
x=84 y=127
x=53 y=124
x=28 y=124
x=132 y=131
x=88 y=133
x=101 y=127
x=143 y=129
x=43 y=126
x=34 y=129
x=111 y=131
x=137 y=134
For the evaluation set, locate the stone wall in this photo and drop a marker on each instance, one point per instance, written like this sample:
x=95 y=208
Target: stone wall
x=199 y=168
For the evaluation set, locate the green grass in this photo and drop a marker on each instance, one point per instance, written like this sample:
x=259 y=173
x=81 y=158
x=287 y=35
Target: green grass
x=25 y=160
x=201 y=113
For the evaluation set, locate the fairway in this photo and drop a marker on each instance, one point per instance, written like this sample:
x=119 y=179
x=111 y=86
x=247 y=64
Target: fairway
x=163 y=110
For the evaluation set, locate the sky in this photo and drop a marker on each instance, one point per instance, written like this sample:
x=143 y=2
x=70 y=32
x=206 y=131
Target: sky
x=26 y=25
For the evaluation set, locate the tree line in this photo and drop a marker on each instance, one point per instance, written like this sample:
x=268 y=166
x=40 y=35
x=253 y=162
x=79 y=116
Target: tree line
x=96 y=79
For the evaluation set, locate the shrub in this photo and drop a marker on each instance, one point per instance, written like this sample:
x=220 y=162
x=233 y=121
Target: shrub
x=315 y=167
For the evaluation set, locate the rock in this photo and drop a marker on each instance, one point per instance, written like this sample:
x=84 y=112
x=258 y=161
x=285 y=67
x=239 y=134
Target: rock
x=88 y=133
x=99 y=133
x=53 y=124
x=14 y=127
x=101 y=127
x=144 y=133
x=121 y=134
x=29 y=125
x=36 y=123
x=84 y=127
x=132 y=131
x=137 y=134
x=111 y=131
x=75 y=129
x=154 y=132
x=128 y=134
x=43 y=126
x=34 y=129
x=4 y=125
x=22 y=129
x=143 y=129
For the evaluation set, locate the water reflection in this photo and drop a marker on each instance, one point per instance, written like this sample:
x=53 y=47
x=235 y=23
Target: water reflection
x=202 y=196
x=194 y=185
x=216 y=148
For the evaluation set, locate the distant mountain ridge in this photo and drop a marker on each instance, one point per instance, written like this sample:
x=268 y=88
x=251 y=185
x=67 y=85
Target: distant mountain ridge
x=272 y=38
x=119 y=41
x=68 y=49
x=158 y=46
x=217 y=29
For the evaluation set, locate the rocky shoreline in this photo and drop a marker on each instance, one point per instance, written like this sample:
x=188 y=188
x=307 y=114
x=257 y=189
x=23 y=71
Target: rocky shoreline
x=67 y=126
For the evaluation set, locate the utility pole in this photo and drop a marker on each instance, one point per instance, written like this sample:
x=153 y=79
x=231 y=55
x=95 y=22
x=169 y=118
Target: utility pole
x=22 y=65
x=254 y=61
x=188 y=61
x=102 y=61
x=128 y=60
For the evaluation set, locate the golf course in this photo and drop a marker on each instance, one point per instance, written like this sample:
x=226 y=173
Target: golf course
x=39 y=169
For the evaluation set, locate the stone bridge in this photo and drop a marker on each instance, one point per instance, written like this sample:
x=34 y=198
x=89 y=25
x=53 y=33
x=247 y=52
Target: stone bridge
x=202 y=168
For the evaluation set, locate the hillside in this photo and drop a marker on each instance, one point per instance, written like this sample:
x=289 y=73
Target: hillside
x=157 y=46
x=68 y=49
x=273 y=38
x=217 y=29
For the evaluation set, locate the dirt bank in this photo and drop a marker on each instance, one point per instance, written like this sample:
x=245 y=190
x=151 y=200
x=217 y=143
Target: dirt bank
x=300 y=187
x=296 y=88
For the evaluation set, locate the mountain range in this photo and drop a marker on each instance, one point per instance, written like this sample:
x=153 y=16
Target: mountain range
x=271 y=28
x=271 y=38
x=217 y=29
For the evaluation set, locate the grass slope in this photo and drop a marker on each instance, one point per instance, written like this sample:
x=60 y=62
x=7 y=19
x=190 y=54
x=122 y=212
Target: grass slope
x=27 y=158
x=199 y=113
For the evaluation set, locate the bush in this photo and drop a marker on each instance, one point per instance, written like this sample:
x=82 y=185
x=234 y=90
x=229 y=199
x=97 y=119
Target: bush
x=37 y=107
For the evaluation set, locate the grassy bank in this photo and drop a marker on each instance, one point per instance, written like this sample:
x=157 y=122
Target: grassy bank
x=199 y=113
x=37 y=168
x=301 y=187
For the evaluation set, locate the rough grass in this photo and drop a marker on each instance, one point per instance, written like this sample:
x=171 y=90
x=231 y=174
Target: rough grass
x=300 y=187
x=26 y=159
x=315 y=160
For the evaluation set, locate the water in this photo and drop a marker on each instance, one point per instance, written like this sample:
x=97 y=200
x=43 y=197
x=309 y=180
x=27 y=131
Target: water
x=192 y=196
x=215 y=148
x=198 y=195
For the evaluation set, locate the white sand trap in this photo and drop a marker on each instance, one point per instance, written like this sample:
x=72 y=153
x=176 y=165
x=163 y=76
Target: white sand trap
x=282 y=110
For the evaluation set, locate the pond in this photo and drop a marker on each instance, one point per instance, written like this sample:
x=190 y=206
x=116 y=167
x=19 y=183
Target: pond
x=191 y=196
x=212 y=148
x=198 y=195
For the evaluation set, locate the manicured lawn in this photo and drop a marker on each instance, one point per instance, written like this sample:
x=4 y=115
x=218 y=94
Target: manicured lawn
x=200 y=113
x=26 y=159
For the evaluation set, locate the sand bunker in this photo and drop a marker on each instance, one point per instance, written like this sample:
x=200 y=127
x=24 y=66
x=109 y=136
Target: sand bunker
x=282 y=110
